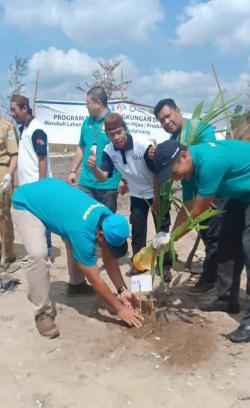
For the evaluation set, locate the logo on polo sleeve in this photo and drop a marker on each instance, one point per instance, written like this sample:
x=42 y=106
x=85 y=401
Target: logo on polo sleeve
x=90 y=209
x=40 y=141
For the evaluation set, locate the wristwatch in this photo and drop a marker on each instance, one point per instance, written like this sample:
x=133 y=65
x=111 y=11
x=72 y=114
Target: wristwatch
x=120 y=290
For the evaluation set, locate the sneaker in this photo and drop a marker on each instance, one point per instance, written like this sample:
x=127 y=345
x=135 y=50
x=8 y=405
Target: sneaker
x=220 y=305
x=202 y=287
x=46 y=326
x=79 y=289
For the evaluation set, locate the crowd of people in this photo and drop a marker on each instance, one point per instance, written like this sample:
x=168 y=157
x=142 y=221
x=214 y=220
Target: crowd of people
x=110 y=159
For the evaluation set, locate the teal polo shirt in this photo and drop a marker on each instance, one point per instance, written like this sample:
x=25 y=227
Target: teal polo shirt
x=93 y=132
x=222 y=168
x=66 y=211
x=207 y=134
x=190 y=187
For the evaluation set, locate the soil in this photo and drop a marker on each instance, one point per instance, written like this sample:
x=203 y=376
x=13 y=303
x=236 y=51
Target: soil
x=179 y=358
x=179 y=339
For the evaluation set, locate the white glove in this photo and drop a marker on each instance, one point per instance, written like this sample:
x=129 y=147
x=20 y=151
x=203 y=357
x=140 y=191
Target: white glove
x=6 y=183
x=160 y=240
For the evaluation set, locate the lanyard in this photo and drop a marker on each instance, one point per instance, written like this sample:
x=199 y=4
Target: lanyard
x=96 y=133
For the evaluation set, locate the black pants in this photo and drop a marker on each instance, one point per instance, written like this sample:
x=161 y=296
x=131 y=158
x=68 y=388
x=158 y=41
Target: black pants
x=234 y=253
x=139 y=209
x=106 y=197
x=210 y=237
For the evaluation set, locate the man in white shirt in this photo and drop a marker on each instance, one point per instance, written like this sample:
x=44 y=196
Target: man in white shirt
x=33 y=161
x=33 y=153
x=129 y=155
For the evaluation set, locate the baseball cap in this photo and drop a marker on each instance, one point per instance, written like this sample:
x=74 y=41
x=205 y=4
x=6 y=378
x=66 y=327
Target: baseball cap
x=166 y=154
x=116 y=230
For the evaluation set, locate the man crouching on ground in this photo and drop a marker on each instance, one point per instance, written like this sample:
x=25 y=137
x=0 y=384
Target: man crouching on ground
x=82 y=222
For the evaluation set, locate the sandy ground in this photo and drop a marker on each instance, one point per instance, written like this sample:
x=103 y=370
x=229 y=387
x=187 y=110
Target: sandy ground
x=182 y=361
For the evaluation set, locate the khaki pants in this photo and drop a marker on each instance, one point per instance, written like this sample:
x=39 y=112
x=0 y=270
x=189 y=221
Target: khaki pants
x=8 y=236
x=33 y=234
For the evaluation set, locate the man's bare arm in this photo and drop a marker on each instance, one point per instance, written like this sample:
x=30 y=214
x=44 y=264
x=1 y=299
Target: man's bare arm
x=156 y=192
x=128 y=315
x=112 y=267
x=100 y=174
x=75 y=165
x=42 y=165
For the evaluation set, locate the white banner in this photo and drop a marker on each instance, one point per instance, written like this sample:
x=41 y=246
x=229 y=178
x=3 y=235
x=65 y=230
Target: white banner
x=62 y=120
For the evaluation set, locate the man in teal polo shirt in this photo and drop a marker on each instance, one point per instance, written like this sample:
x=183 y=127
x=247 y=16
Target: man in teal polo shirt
x=220 y=168
x=93 y=138
x=172 y=121
x=83 y=223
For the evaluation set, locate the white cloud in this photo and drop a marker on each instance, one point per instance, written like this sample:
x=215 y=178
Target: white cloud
x=29 y=14
x=61 y=71
x=186 y=88
x=223 y=23
x=103 y=22
x=56 y=64
x=240 y=85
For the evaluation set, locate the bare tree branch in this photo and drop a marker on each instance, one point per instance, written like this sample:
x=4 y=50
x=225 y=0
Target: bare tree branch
x=105 y=77
x=17 y=72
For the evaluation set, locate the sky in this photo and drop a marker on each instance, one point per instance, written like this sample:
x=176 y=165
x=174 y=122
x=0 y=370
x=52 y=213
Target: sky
x=167 y=46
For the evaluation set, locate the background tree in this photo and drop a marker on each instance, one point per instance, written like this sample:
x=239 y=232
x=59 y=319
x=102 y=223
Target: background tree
x=237 y=116
x=17 y=72
x=106 y=77
x=241 y=114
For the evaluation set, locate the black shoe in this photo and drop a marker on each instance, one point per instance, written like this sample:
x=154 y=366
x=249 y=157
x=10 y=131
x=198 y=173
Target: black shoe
x=202 y=287
x=239 y=335
x=10 y=259
x=133 y=272
x=79 y=289
x=220 y=305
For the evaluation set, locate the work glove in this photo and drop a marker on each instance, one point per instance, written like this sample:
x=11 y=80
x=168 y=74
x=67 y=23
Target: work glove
x=6 y=183
x=160 y=240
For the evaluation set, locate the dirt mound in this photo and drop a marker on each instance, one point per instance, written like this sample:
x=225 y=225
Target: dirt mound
x=178 y=338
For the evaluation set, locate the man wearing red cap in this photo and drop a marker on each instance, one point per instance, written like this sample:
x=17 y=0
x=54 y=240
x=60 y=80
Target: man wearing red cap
x=128 y=154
